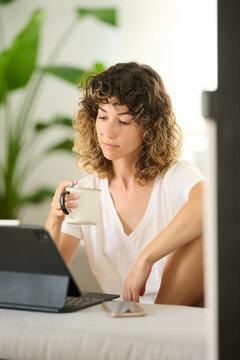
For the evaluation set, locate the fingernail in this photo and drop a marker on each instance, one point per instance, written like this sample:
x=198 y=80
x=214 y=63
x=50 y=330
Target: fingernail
x=76 y=196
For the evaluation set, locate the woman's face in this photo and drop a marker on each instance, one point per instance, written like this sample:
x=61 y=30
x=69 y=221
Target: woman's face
x=118 y=134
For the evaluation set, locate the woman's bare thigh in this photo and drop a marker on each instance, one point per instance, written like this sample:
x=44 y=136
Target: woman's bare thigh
x=182 y=280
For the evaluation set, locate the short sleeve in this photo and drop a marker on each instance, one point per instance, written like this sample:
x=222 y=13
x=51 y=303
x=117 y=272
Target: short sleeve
x=193 y=176
x=72 y=229
x=181 y=178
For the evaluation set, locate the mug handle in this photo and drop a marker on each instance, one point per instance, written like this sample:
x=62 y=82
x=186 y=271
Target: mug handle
x=62 y=202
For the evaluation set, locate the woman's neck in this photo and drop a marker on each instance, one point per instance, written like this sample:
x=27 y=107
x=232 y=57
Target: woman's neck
x=124 y=175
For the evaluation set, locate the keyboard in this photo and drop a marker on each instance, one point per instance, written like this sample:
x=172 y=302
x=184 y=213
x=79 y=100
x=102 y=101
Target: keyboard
x=82 y=301
x=86 y=300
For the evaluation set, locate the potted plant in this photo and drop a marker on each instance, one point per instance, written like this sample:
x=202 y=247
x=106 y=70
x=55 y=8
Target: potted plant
x=19 y=69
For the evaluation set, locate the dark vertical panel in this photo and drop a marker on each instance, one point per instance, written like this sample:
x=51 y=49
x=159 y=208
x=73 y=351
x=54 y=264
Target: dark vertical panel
x=228 y=124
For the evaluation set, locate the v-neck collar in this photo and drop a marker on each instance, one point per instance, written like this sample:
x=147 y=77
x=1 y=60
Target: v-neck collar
x=145 y=217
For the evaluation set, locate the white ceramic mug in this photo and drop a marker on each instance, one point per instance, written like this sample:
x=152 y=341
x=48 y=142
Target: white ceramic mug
x=88 y=205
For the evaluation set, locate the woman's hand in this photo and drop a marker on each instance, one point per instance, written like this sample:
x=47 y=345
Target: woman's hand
x=56 y=213
x=135 y=283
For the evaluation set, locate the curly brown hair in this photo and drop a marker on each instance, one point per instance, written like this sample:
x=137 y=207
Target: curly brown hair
x=141 y=89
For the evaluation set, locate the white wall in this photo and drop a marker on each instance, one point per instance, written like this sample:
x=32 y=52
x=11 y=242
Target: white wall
x=178 y=39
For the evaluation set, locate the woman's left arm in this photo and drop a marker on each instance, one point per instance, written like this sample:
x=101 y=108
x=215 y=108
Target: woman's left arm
x=186 y=226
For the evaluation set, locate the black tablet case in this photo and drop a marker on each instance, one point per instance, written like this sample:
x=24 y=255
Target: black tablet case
x=33 y=274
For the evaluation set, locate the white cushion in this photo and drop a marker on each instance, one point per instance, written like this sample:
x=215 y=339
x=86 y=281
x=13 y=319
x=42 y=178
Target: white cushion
x=167 y=332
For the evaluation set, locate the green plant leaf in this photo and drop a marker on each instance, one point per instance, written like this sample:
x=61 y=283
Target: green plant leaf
x=9 y=202
x=73 y=75
x=58 y=120
x=98 y=67
x=65 y=145
x=5 y=1
x=107 y=15
x=3 y=84
x=2 y=206
x=9 y=206
x=67 y=73
x=14 y=146
x=18 y=62
x=36 y=196
x=7 y=210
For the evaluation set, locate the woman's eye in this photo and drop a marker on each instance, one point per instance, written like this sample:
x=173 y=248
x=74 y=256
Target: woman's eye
x=102 y=117
x=124 y=123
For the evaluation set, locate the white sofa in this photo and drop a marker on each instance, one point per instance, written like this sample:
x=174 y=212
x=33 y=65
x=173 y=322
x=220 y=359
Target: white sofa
x=167 y=332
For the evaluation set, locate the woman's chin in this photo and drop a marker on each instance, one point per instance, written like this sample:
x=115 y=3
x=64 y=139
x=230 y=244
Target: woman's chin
x=110 y=155
x=111 y=158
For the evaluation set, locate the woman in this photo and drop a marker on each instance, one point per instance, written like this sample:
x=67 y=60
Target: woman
x=147 y=244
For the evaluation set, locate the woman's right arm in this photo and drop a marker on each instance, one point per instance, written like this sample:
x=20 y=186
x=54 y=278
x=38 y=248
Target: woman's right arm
x=66 y=244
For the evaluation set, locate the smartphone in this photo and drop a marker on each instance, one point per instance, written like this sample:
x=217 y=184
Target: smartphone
x=123 y=308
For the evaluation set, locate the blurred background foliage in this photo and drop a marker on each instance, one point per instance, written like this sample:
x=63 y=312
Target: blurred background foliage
x=19 y=69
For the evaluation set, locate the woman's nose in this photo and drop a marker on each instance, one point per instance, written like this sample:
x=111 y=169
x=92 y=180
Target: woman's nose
x=110 y=129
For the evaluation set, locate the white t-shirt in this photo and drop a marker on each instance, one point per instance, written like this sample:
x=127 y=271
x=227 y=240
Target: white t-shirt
x=112 y=253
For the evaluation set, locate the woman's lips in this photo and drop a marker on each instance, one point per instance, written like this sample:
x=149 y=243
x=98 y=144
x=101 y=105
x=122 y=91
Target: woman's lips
x=110 y=146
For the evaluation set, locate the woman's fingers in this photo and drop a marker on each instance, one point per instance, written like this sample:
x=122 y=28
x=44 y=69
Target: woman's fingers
x=134 y=285
x=70 y=203
x=130 y=293
x=66 y=183
x=63 y=185
x=69 y=199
